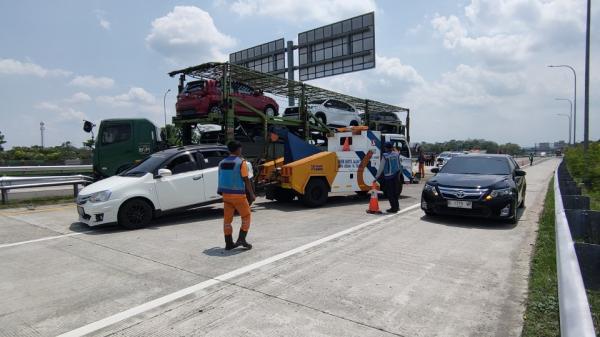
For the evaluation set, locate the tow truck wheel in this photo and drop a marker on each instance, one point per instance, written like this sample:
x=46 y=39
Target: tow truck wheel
x=315 y=193
x=284 y=195
x=134 y=214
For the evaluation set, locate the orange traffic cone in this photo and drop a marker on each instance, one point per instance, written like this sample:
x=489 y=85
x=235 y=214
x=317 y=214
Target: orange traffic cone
x=346 y=146
x=374 y=202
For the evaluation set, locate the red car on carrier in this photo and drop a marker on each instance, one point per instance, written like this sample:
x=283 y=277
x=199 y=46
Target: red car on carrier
x=204 y=96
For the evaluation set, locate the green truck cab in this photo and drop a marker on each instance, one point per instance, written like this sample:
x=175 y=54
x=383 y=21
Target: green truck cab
x=121 y=143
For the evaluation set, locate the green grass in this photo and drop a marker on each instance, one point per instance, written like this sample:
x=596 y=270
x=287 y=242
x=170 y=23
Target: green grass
x=541 y=314
x=37 y=202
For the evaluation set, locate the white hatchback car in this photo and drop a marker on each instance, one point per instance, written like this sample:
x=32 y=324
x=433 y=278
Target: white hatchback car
x=330 y=112
x=169 y=180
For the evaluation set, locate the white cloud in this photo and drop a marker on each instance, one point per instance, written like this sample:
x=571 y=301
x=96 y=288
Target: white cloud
x=188 y=34
x=504 y=32
x=92 y=82
x=64 y=112
x=78 y=97
x=104 y=24
x=306 y=10
x=136 y=97
x=14 y=67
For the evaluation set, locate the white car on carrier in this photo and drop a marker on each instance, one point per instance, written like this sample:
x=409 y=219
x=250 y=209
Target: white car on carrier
x=169 y=180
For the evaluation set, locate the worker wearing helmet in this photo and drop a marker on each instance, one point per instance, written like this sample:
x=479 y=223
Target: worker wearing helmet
x=390 y=168
x=238 y=195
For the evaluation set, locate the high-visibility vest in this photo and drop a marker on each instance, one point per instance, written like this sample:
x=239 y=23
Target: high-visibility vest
x=392 y=163
x=230 y=176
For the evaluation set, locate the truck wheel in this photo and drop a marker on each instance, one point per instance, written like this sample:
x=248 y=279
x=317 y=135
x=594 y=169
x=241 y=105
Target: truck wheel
x=284 y=195
x=315 y=193
x=134 y=214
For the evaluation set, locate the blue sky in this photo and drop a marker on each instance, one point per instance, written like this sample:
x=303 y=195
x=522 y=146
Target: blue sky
x=466 y=69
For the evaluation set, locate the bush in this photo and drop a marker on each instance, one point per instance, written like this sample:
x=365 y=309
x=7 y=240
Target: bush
x=577 y=164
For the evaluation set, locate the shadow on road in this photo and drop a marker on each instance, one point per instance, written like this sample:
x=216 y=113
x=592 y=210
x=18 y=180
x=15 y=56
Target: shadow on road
x=221 y=252
x=471 y=222
x=332 y=202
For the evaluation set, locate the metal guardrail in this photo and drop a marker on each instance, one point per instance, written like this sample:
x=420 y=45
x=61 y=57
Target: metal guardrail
x=55 y=169
x=575 y=316
x=12 y=183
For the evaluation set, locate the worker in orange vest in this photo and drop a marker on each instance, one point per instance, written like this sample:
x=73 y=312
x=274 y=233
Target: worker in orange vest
x=238 y=195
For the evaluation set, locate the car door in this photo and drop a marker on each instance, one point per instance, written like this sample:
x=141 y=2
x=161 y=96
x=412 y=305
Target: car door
x=184 y=187
x=210 y=171
x=333 y=112
x=244 y=93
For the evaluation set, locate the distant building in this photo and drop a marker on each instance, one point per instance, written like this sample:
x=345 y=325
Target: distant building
x=559 y=145
x=543 y=147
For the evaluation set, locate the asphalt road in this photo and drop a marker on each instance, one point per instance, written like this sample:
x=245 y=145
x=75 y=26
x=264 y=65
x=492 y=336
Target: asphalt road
x=333 y=271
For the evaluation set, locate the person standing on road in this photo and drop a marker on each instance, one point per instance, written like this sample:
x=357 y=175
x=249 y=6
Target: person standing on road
x=530 y=158
x=421 y=164
x=238 y=194
x=390 y=168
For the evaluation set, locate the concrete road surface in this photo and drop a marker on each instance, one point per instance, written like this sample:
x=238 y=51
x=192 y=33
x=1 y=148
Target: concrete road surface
x=332 y=271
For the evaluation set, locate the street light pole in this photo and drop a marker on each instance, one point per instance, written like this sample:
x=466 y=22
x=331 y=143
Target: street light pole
x=570 y=115
x=165 y=112
x=574 y=98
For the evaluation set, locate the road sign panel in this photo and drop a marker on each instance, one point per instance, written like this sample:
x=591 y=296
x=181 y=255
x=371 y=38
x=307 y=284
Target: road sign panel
x=267 y=57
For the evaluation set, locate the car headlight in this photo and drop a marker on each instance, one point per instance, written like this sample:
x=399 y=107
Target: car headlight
x=430 y=189
x=501 y=192
x=101 y=196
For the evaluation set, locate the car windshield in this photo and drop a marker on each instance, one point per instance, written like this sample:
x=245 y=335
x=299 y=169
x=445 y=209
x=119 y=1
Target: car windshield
x=317 y=101
x=477 y=165
x=193 y=86
x=148 y=165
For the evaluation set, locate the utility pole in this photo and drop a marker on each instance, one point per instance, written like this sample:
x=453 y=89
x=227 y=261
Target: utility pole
x=574 y=98
x=586 y=120
x=570 y=116
x=165 y=112
x=42 y=129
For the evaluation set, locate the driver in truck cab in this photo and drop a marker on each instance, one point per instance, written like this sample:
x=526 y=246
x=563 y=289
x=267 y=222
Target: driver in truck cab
x=238 y=194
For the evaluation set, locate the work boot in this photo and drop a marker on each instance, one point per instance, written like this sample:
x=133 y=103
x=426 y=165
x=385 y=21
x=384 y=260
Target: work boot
x=229 y=245
x=391 y=210
x=241 y=241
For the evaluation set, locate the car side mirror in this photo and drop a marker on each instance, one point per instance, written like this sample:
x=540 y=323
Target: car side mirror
x=520 y=173
x=435 y=170
x=164 y=173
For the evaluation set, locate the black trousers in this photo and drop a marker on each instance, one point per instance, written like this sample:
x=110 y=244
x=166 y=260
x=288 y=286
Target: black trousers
x=392 y=190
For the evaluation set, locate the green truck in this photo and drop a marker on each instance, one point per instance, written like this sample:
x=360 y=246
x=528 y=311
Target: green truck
x=121 y=143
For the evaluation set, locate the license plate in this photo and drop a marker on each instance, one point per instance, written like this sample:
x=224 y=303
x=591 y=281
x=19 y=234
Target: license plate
x=460 y=204
x=80 y=210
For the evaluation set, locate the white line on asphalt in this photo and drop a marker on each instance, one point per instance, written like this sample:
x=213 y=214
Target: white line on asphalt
x=6 y=245
x=108 y=321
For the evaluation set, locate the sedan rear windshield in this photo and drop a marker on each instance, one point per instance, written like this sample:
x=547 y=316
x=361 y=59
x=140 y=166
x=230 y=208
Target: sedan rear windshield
x=476 y=165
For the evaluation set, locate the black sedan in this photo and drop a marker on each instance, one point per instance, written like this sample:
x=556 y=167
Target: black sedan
x=490 y=186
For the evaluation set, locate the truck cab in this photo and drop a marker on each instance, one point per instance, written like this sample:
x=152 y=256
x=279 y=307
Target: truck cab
x=123 y=142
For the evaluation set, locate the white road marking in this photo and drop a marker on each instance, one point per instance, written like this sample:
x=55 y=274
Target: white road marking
x=6 y=245
x=108 y=321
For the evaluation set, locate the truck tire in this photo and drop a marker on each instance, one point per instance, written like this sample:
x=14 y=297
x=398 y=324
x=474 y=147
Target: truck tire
x=315 y=193
x=135 y=214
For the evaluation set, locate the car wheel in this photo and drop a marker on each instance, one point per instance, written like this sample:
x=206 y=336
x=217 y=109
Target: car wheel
x=315 y=193
x=321 y=117
x=215 y=109
x=134 y=214
x=353 y=123
x=270 y=111
x=522 y=204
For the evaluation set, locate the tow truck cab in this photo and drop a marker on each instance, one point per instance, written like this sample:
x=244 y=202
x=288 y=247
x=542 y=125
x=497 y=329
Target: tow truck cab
x=123 y=142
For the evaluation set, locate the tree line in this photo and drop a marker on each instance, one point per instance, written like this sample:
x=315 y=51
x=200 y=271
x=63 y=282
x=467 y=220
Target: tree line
x=471 y=145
